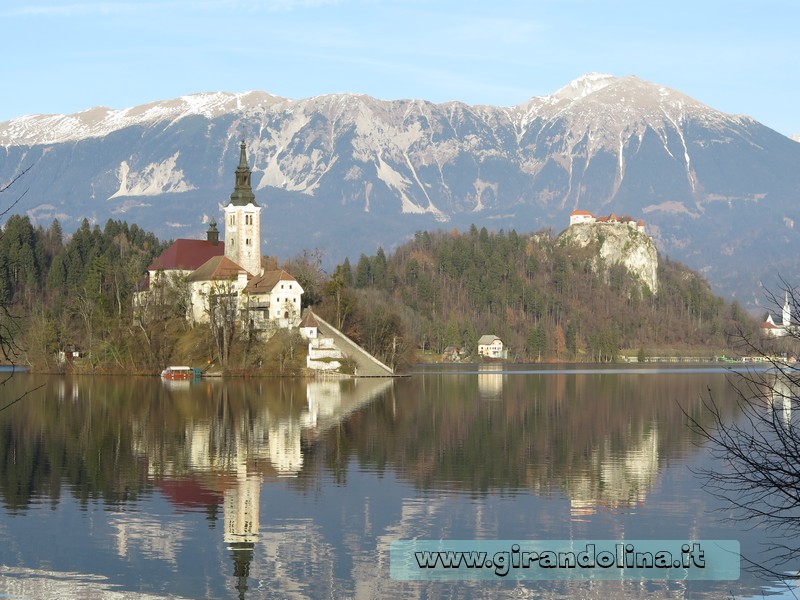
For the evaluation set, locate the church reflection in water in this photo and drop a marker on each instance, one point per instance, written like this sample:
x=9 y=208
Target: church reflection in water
x=222 y=457
x=243 y=480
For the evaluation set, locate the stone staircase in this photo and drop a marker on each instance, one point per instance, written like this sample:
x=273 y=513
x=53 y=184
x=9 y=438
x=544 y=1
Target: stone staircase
x=366 y=365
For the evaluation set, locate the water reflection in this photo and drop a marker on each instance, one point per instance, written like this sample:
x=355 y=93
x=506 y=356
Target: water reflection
x=297 y=488
x=782 y=390
x=623 y=480
x=490 y=382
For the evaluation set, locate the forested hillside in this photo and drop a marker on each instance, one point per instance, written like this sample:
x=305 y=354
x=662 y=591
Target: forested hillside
x=545 y=298
x=75 y=294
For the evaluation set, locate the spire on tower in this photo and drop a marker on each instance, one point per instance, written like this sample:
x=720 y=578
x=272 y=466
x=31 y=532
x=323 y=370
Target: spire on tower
x=787 y=311
x=242 y=194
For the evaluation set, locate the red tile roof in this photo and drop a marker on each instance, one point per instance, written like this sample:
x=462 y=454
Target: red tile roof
x=581 y=212
x=187 y=255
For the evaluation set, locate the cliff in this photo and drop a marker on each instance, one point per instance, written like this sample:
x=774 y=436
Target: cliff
x=618 y=243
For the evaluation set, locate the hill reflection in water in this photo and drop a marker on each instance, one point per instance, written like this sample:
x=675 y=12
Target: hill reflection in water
x=310 y=481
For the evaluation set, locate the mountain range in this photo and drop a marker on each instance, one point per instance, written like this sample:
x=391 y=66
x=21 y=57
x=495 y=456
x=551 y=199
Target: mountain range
x=347 y=173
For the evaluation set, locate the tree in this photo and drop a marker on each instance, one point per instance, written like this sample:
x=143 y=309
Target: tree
x=159 y=318
x=307 y=269
x=536 y=343
x=378 y=268
x=363 y=275
x=559 y=341
x=222 y=307
x=760 y=450
x=8 y=327
x=8 y=324
x=338 y=294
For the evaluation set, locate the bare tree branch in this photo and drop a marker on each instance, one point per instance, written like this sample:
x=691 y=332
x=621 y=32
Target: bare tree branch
x=8 y=185
x=759 y=448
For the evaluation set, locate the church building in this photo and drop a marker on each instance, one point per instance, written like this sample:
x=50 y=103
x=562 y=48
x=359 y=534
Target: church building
x=771 y=328
x=213 y=273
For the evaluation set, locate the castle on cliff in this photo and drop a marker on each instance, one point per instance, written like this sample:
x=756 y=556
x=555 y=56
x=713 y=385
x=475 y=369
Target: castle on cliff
x=577 y=217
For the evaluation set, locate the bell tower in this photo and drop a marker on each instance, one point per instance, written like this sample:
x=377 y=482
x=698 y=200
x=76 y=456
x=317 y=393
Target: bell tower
x=786 y=320
x=243 y=220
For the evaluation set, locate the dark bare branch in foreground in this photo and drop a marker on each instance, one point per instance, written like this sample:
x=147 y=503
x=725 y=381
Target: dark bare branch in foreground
x=7 y=323
x=759 y=481
x=7 y=186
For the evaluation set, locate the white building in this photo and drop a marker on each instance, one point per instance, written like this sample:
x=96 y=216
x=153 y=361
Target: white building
x=769 y=327
x=580 y=216
x=274 y=297
x=217 y=281
x=491 y=346
x=309 y=326
x=229 y=275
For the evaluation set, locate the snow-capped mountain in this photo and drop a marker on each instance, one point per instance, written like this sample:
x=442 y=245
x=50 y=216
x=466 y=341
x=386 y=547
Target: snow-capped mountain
x=346 y=173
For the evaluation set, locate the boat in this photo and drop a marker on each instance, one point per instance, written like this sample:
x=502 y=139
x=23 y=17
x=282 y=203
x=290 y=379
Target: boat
x=175 y=372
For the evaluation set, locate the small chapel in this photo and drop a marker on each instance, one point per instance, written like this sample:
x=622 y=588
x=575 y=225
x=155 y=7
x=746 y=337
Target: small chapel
x=229 y=274
x=771 y=328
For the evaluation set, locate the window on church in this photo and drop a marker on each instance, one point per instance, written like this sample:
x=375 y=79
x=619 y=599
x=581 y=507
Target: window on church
x=233 y=219
x=247 y=242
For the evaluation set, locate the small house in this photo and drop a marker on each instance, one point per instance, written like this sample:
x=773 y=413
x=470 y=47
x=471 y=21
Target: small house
x=309 y=326
x=491 y=346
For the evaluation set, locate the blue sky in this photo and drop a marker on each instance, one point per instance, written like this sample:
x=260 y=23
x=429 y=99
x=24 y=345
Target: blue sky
x=63 y=56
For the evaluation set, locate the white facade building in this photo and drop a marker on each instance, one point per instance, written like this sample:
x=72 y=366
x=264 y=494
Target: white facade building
x=228 y=275
x=580 y=216
x=273 y=297
x=769 y=327
x=491 y=346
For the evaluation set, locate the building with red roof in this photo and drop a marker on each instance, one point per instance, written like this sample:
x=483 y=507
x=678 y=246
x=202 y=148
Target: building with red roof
x=579 y=217
x=215 y=272
x=187 y=255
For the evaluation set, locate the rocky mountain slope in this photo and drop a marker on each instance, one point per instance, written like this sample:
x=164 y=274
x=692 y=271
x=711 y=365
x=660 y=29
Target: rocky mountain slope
x=346 y=173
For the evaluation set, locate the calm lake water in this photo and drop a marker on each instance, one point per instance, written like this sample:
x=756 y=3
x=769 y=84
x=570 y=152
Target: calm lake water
x=136 y=488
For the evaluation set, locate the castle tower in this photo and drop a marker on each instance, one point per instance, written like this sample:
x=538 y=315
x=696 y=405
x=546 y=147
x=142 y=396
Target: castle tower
x=243 y=221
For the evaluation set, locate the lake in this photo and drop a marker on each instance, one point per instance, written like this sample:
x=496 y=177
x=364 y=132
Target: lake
x=130 y=487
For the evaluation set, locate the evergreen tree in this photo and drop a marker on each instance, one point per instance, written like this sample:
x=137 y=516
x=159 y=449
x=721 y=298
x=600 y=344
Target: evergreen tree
x=378 y=269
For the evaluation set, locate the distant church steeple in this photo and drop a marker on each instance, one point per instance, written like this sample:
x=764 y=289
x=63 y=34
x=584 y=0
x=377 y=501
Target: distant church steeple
x=787 y=311
x=243 y=220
